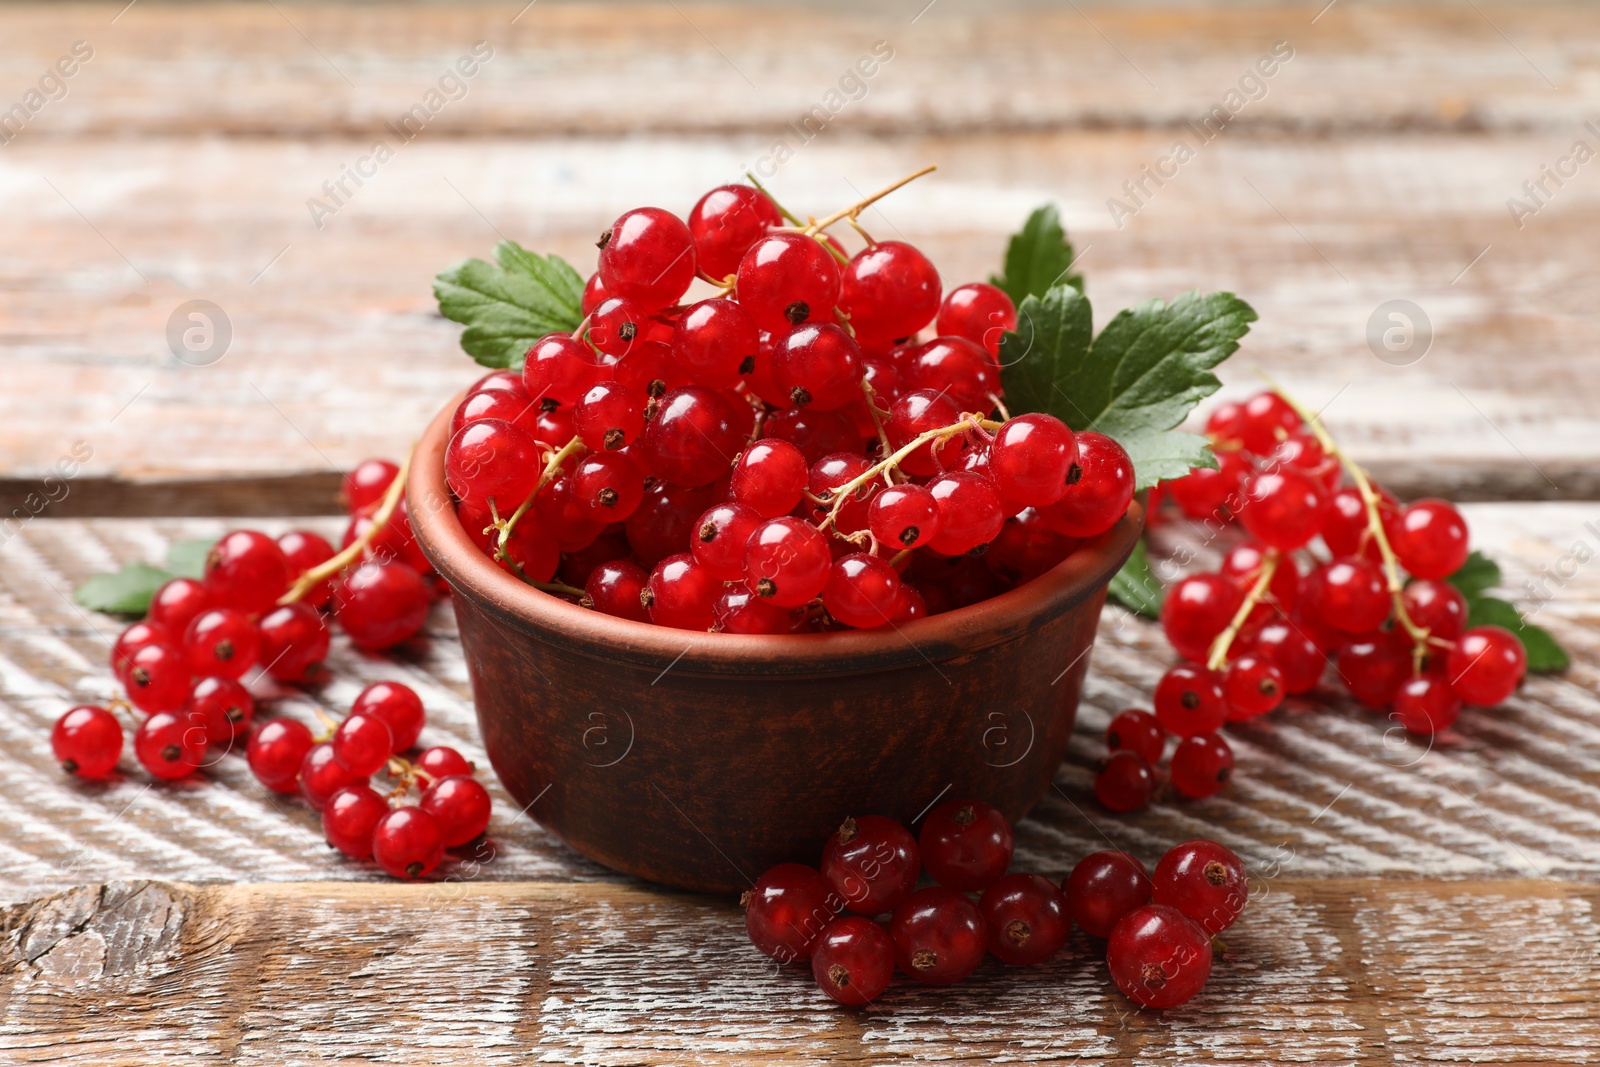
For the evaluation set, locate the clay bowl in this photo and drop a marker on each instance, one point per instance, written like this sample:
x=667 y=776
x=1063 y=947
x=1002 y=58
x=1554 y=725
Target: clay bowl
x=699 y=759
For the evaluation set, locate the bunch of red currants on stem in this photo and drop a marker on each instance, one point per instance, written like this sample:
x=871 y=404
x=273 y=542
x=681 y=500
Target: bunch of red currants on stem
x=788 y=455
x=1157 y=929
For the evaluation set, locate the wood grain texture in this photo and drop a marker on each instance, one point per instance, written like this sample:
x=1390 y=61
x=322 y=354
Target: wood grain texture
x=1322 y=787
x=181 y=163
x=1354 y=971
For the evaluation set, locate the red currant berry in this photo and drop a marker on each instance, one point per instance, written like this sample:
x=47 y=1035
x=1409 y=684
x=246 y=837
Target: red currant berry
x=1374 y=666
x=1104 y=887
x=362 y=744
x=1437 y=607
x=1251 y=686
x=1264 y=420
x=830 y=474
x=681 y=594
x=966 y=844
x=407 y=843
x=176 y=604
x=1138 y=731
x=1349 y=594
x=889 y=290
x=979 y=312
x=1158 y=956
x=223 y=707
x=321 y=775
x=1203 y=880
x=1430 y=538
x=818 y=365
x=615 y=326
x=382 y=604
x=970 y=512
x=395 y=540
x=608 y=485
x=694 y=436
x=719 y=540
x=170 y=745
x=1189 y=700
x=87 y=742
x=739 y=610
x=863 y=591
x=531 y=552
x=1426 y=704
x=442 y=761
x=1284 y=508
x=815 y=433
x=276 y=752
x=1201 y=765
x=1126 y=782
x=665 y=520
x=364 y=487
x=853 y=961
x=786 y=279
x=1026 y=919
x=221 y=643
x=558 y=369
x=293 y=642
x=962 y=368
x=135 y=637
x=904 y=516
x=594 y=292
x=1297 y=656
x=787 y=561
x=157 y=679
x=1099 y=495
x=610 y=416
x=647 y=255
x=939 y=936
x=461 y=807
x=304 y=550
x=492 y=460
x=1486 y=665
x=1197 y=608
x=1217 y=494
x=916 y=413
x=770 y=478
x=397 y=706
x=1032 y=459
x=349 y=818
x=725 y=223
x=246 y=571
x=1242 y=564
x=1225 y=425
x=611 y=545
x=872 y=863
x=912 y=605
x=563 y=516
x=713 y=342
x=517 y=408
x=787 y=910
x=613 y=588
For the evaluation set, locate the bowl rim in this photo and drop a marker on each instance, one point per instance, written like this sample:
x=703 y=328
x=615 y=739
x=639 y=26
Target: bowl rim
x=1083 y=574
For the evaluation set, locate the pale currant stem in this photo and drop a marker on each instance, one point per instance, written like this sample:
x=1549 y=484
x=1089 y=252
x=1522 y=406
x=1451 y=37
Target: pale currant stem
x=877 y=420
x=844 y=321
x=552 y=467
x=855 y=210
x=1369 y=497
x=785 y=212
x=865 y=236
x=354 y=551
x=838 y=496
x=1218 y=656
x=900 y=557
x=1000 y=406
x=559 y=588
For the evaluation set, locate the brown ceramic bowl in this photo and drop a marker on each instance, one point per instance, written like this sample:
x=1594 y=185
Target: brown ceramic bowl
x=700 y=759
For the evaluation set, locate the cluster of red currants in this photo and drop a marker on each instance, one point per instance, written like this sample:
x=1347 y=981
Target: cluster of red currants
x=785 y=456
x=1374 y=599
x=1159 y=929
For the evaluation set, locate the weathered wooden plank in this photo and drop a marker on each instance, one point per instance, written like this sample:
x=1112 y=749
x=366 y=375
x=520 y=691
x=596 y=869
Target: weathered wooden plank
x=1322 y=788
x=1316 y=971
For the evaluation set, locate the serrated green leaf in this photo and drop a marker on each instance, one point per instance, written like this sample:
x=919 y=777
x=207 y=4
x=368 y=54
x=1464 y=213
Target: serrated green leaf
x=1136 y=586
x=124 y=592
x=506 y=306
x=187 y=559
x=1544 y=654
x=1038 y=258
x=1136 y=381
x=1478 y=574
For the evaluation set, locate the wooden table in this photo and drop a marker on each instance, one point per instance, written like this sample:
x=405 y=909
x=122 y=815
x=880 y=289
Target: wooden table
x=1414 y=902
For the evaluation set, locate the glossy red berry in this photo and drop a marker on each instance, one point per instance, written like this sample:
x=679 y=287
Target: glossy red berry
x=223 y=707
x=609 y=417
x=904 y=516
x=1189 y=700
x=1264 y=420
x=1426 y=704
x=1026 y=919
x=362 y=744
x=815 y=433
x=719 y=540
x=818 y=365
x=863 y=591
x=397 y=706
x=939 y=936
x=461 y=807
x=971 y=512
x=725 y=223
x=889 y=291
x=787 y=910
x=693 y=438
x=681 y=594
x=1252 y=685
x=1031 y=459
x=517 y=408
x=962 y=368
x=832 y=473
x=441 y=761
x=558 y=370
x=1242 y=564
x=407 y=842
x=787 y=561
x=381 y=604
x=135 y=637
x=1348 y=593
x=966 y=844
x=321 y=775
x=87 y=742
x=666 y=519
x=157 y=679
x=872 y=863
x=1104 y=887
x=564 y=517
x=292 y=642
x=1203 y=880
x=979 y=312
x=1126 y=782
x=531 y=551
x=170 y=745
x=608 y=485
x=1298 y=658
x=1138 y=731
x=853 y=961
x=616 y=326
x=1486 y=665
x=1212 y=493
x=176 y=603
x=770 y=477
x=739 y=610
x=1430 y=538
x=915 y=413
x=363 y=487
x=614 y=588
x=647 y=255
x=304 y=550
x=1100 y=493
x=492 y=460
x=221 y=643
x=786 y=279
x=350 y=817
x=1437 y=607
x=276 y=751
x=714 y=342
x=1201 y=765
x=246 y=571
x=1284 y=508
x=1373 y=666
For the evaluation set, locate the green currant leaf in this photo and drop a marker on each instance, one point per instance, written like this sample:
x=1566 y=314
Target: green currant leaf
x=1477 y=575
x=1136 y=381
x=124 y=592
x=187 y=559
x=1545 y=656
x=1136 y=586
x=508 y=305
x=1038 y=258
